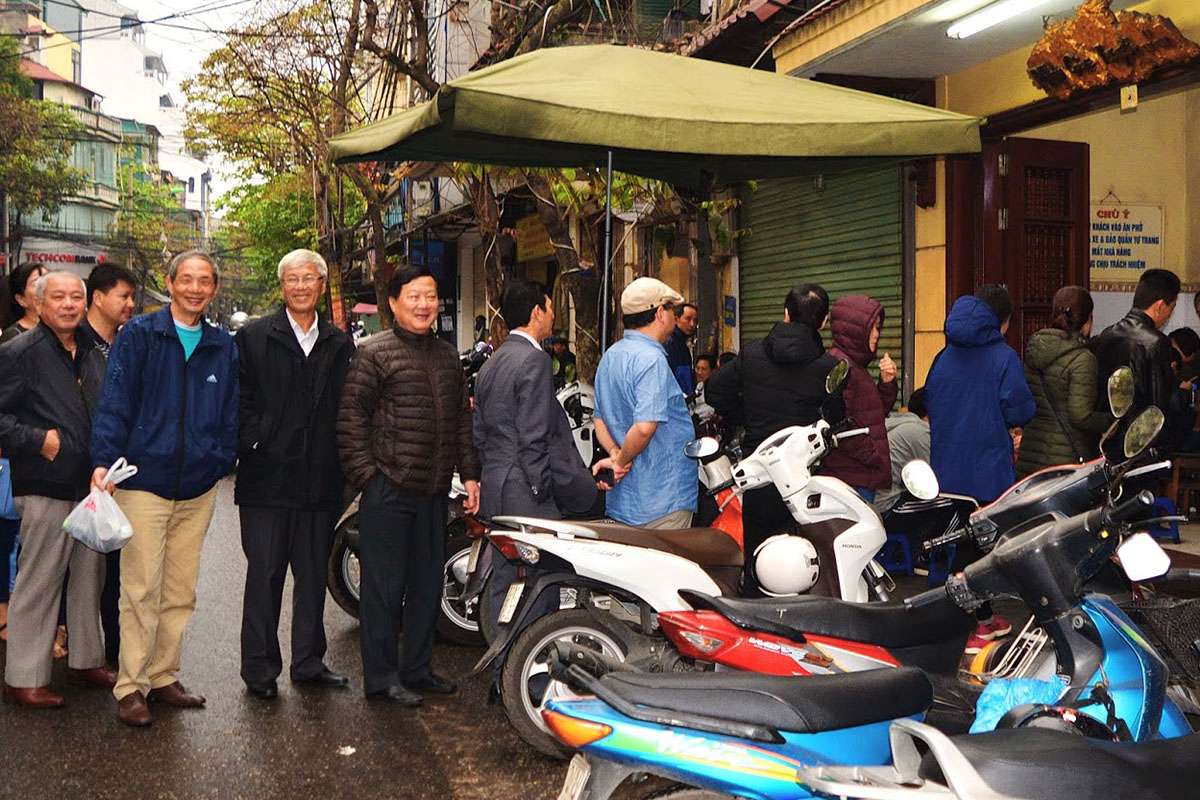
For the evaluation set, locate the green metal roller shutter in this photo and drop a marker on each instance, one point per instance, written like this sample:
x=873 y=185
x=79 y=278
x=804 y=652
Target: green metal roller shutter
x=846 y=235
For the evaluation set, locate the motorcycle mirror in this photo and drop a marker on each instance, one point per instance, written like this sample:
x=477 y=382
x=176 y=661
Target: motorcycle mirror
x=1142 y=558
x=1120 y=391
x=1142 y=430
x=701 y=448
x=919 y=479
x=837 y=377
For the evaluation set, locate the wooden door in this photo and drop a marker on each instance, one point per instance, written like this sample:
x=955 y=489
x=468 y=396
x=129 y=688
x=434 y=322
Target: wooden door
x=1035 y=225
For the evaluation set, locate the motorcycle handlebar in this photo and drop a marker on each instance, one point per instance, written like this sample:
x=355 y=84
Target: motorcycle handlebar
x=1126 y=511
x=848 y=434
x=945 y=538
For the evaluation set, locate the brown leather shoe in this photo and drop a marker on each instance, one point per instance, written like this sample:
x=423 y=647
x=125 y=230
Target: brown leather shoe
x=39 y=697
x=133 y=711
x=175 y=695
x=103 y=677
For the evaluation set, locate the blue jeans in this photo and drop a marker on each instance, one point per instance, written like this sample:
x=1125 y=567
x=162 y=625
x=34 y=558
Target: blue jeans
x=8 y=556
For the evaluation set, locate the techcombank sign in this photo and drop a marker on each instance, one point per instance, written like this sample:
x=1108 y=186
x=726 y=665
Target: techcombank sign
x=65 y=255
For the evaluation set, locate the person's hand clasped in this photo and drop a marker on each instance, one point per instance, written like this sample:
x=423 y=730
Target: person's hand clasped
x=618 y=472
x=471 y=504
x=887 y=369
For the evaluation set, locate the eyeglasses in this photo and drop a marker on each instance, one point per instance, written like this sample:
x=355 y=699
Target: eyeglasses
x=292 y=281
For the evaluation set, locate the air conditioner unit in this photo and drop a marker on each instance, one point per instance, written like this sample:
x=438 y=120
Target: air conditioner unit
x=422 y=198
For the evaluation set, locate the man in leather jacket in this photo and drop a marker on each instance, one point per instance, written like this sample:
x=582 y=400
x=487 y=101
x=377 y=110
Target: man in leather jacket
x=1137 y=341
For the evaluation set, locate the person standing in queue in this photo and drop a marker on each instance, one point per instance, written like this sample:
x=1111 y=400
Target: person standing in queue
x=170 y=407
x=111 y=289
x=21 y=282
x=642 y=420
x=403 y=426
x=289 y=484
x=530 y=466
x=863 y=462
x=679 y=351
x=774 y=383
x=50 y=377
x=976 y=392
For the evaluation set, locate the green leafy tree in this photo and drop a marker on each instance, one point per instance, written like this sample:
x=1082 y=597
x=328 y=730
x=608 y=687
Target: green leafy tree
x=36 y=140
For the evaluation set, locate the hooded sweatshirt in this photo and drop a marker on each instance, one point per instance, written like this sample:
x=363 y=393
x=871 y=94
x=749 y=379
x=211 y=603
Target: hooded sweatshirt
x=861 y=461
x=908 y=440
x=774 y=383
x=1063 y=378
x=976 y=391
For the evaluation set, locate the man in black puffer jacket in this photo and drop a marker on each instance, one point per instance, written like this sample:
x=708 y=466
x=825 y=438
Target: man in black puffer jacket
x=403 y=426
x=773 y=384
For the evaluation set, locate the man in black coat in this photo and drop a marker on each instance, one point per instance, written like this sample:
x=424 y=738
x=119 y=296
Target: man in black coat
x=289 y=483
x=774 y=383
x=1136 y=341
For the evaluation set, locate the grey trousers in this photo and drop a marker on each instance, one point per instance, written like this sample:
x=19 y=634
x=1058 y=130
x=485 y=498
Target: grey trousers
x=676 y=520
x=46 y=552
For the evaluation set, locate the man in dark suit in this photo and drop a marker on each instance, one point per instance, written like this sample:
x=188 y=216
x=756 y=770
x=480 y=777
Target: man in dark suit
x=289 y=484
x=530 y=464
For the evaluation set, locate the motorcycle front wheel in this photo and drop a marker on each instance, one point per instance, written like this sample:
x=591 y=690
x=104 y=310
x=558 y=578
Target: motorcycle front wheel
x=526 y=683
x=458 y=621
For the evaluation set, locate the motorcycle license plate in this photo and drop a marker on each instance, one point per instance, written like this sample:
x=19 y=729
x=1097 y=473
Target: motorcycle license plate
x=473 y=561
x=577 y=777
x=511 y=600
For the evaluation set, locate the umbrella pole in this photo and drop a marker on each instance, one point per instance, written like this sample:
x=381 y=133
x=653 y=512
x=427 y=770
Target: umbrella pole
x=606 y=274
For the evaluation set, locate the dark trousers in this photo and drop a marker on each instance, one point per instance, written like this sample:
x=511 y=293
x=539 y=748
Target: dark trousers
x=402 y=552
x=274 y=539
x=110 y=617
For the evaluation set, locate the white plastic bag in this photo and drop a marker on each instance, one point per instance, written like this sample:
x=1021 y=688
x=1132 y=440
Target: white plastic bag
x=98 y=522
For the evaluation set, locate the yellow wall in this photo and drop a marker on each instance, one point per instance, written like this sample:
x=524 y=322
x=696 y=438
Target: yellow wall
x=1147 y=156
x=56 y=49
x=841 y=27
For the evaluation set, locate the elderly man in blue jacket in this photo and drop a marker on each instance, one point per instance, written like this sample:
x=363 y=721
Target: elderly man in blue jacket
x=169 y=406
x=976 y=392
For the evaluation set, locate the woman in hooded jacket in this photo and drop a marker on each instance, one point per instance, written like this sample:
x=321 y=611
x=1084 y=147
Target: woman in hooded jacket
x=862 y=461
x=1063 y=375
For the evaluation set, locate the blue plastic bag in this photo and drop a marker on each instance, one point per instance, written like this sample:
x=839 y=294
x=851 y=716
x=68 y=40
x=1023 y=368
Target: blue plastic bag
x=1003 y=694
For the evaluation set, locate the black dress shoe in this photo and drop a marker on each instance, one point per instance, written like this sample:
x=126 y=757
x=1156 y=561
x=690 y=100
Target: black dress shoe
x=325 y=679
x=432 y=684
x=267 y=690
x=398 y=695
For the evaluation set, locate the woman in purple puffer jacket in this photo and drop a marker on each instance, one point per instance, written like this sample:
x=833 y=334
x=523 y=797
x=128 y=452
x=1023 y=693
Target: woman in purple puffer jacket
x=862 y=461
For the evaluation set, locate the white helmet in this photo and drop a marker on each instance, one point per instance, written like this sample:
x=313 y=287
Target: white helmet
x=786 y=564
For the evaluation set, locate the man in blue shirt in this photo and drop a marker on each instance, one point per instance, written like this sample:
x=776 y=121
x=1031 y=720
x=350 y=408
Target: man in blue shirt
x=641 y=416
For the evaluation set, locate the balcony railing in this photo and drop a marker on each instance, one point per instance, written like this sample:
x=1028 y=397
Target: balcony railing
x=99 y=192
x=97 y=122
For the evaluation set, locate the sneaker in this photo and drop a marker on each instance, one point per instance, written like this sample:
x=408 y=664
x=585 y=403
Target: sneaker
x=975 y=645
x=993 y=628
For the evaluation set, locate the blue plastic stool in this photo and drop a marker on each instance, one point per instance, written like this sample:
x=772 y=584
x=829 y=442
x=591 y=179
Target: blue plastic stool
x=940 y=561
x=896 y=554
x=1165 y=507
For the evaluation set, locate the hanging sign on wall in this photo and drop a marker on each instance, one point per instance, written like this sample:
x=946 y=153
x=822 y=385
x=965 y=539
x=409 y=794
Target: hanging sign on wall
x=1125 y=241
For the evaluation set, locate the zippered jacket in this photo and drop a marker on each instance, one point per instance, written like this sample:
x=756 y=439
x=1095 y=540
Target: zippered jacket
x=176 y=419
x=41 y=388
x=976 y=391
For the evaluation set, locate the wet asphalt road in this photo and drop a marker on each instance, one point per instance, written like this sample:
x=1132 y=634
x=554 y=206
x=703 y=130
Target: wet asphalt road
x=242 y=747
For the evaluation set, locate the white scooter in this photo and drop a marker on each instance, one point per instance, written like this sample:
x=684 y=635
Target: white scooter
x=620 y=577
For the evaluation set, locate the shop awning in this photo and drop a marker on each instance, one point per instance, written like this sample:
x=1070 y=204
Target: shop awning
x=365 y=308
x=661 y=115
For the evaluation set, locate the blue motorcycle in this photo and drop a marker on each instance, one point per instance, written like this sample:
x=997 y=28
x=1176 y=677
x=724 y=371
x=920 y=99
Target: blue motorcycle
x=753 y=736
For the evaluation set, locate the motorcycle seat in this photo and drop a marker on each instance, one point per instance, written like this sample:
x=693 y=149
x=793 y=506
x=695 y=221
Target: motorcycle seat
x=1038 y=764
x=707 y=547
x=886 y=625
x=812 y=705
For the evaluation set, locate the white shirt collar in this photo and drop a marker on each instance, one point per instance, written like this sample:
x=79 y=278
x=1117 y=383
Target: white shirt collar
x=528 y=338
x=307 y=339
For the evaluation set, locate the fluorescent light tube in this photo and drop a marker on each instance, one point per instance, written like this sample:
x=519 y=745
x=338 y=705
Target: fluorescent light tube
x=991 y=15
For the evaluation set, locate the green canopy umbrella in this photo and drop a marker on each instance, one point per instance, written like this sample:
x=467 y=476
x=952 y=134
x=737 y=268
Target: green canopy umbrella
x=659 y=115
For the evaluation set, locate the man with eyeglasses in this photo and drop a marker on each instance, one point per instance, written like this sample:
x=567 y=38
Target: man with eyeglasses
x=169 y=406
x=289 y=482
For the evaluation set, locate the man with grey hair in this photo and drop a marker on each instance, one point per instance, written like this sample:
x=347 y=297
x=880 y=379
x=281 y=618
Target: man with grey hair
x=49 y=380
x=170 y=406
x=289 y=484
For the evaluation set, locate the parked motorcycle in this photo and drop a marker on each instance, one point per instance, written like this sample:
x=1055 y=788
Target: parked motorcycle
x=752 y=735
